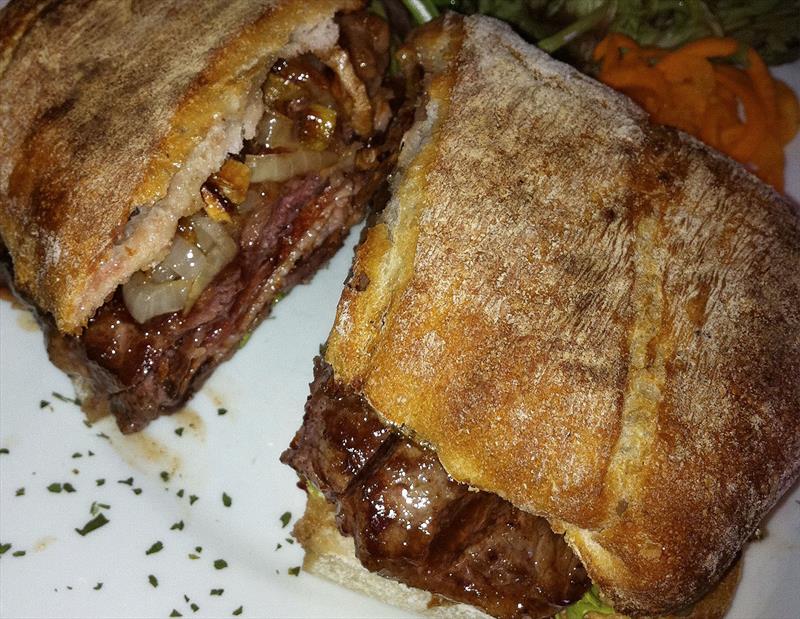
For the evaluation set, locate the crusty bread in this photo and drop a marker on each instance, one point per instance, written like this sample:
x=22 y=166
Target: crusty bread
x=111 y=116
x=592 y=316
x=331 y=555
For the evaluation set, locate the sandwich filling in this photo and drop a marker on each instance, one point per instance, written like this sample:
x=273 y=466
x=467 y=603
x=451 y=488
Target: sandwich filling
x=412 y=522
x=267 y=219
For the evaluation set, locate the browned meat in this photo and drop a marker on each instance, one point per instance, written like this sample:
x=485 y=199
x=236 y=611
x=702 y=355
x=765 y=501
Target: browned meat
x=412 y=522
x=284 y=231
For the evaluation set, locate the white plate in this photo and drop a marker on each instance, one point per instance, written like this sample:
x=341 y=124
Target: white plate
x=263 y=389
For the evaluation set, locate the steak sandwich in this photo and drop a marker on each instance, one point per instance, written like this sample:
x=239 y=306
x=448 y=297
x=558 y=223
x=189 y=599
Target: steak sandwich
x=566 y=357
x=169 y=169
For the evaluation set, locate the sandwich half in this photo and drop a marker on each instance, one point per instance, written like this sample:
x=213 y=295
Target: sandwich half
x=567 y=355
x=169 y=169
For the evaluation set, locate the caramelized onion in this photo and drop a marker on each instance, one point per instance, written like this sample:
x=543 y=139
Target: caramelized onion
x=145 y=298
x=275 y=131
x=283 y=166
x=177 y=281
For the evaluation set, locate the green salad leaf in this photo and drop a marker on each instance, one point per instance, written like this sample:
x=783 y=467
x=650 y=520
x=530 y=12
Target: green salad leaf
x=771 y=27
x=589 y=603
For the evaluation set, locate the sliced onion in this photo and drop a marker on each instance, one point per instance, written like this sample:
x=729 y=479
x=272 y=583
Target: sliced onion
x=276 y=131
x=283 y=166
x=185 y=259
x=146 y=299
x=219 y=249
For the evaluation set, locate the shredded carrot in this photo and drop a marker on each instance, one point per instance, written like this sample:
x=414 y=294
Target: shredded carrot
x=743 y=112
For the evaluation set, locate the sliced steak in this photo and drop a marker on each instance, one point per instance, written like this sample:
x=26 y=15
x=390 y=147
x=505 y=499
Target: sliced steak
x=412 y=522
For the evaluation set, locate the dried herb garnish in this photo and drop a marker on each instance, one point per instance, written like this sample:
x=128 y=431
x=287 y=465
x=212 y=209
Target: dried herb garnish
x=18 y=553
x=294 y=571
x=220 y=564
x=68 y=487
x=63 y=398
x=226 y=500
x=102 y=435
x=98 y=586
x=127 y=482
x=99 y=482
x=96 y=507
x=153 y=580
x=178 y=526
x=4 y=450
x=179 y=493
x=165 y=475
x=20 y=492
x=194 y=607
x=54 y=487
x=285 y=519
x=193 y=556
x=44 y=404
x=179 y=431
x=77 y=454
x=4 y=548
x=156 y=547
x=222 y=411
x=279 y=546
x=193 y=498
x=217 y=591
x=95 y=523
x=175 y=613
x=238 y=611
x=137 y=491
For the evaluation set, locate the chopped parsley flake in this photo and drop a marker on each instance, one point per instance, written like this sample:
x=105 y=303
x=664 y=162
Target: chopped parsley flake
x=77 y=454
x=175 y=613
x=153 y=580
x=165 y=475
x=178 y=526
x=194 y=607
x=289 y=540
x=222 y=411
x=137 y=491
x=279 y=546
x=226 y=500
x=179 y=431
x=54 y=487
x=220 y=564
x=238 y=611
x=90 y=453
x=99 y=482
x=18 y=553
x=127 y=482
x=20 y=492
x=68 y=487
x=193 y=498
x=156 y=547
x=98 y=586
x=4 y=548
x=95 y=523
x=193 y=556
x=217 y=591
x=103 y=435
x=44 y=404
x=285 y=518
x=294 y=571
x=4 y=450
x=64 y=398
x=96 y=507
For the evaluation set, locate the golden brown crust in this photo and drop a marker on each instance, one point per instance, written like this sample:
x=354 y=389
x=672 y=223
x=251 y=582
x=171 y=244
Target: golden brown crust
x=594 y=317
x=101 y=104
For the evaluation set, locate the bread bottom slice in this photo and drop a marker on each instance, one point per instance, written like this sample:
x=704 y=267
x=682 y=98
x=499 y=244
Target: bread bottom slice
x=331 y=555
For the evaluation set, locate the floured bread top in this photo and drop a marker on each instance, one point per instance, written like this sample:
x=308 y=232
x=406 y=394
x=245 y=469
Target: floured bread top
x=592 y=316
x=112 y=114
